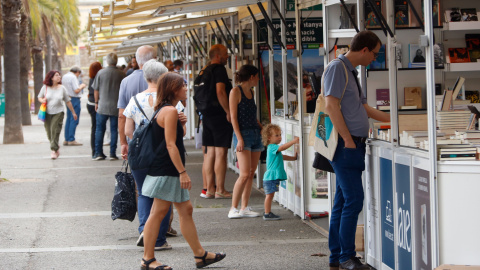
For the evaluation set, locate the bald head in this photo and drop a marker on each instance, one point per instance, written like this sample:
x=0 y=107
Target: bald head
x=145 y=53
x=218 y=54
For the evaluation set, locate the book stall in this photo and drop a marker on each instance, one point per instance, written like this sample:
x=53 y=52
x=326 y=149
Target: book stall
x=422 y=167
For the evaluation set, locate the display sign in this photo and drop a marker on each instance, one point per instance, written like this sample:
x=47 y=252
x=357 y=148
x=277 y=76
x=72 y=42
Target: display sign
x=421 y=220
x=312 y=33
x=404 y=220
x=386 y=194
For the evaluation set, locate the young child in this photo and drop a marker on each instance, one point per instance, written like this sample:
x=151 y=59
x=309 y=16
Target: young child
x=271 y=137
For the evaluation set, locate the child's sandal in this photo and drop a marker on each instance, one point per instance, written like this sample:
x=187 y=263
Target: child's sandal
x=205 y=261
x=147 y=265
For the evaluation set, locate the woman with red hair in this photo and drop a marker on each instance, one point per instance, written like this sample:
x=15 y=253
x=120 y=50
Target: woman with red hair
x=55 y=95
x=92 y=72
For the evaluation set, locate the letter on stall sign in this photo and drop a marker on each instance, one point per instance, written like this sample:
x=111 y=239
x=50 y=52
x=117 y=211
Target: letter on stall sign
x=404 y=228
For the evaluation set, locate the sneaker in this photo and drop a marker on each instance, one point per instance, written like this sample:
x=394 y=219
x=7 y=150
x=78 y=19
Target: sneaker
x=234 y=213
x=354 y=263
x=140 y=240
x=57 y=153
x=113 y=157
x=171 y=232
x=271 y=216
x=203 y=194
x=165 y=246
x=74 y=143
x=248 y=212
x=98 y=157
x=334 y=265
x=53 y=155
x=65 y=143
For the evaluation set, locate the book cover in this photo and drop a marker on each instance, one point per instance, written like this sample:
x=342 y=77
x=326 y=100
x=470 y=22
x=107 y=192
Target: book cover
x=371 y=20
x=398 y=55
x=381 y=60
x=469 y=14
x=383 y=97
x=345 y=22
x=416 y=54
x=454 y=15
x=401 y=14
x=438 y=55
x=457 y=87
x=341 y=49
x=413 y=96
x=473 y=46
x=447 y=100
x=458 y=55
x=438 y=89
x=473 y=96
x=436 y=18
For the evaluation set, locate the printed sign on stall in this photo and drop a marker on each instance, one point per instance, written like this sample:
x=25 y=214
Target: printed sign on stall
x=404 y=218
x=386 y=193
x=421 y=220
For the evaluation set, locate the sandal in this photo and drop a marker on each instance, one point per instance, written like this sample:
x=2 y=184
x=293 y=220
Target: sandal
x=225 y=195
x=147 y=265
x=209 y=195
x=205 y=261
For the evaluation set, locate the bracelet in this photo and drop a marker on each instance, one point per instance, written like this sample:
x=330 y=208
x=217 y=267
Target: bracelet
x=182 y=172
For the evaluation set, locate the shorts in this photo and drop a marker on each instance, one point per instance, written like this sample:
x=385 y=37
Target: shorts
x=217 y=131
x=252 y=140
x=271 y=186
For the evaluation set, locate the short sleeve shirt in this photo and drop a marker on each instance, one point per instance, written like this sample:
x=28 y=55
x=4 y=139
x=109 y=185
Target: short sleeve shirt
x=352 y=108
x=70 y=81
x=56 y=98
x=275 y=168
x=132 y=111
x=220 y=76
x=130 y=86
x=107 y=82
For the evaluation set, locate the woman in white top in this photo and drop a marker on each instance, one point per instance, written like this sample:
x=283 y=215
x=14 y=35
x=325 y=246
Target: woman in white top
x=55 y=95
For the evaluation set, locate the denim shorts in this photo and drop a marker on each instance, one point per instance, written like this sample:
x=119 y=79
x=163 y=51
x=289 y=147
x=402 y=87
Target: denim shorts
x=252 y=140
x=271 y=186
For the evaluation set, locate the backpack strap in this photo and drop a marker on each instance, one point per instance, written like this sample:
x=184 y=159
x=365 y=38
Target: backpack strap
x=140 y=107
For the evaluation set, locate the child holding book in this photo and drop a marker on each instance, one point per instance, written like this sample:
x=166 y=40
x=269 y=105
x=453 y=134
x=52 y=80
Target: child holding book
x=271 y=137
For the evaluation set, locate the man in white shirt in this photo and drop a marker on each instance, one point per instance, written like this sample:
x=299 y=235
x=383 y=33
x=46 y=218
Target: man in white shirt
x=75 y=91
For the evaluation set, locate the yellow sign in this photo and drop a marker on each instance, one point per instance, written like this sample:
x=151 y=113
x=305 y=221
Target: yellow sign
x=72 y=50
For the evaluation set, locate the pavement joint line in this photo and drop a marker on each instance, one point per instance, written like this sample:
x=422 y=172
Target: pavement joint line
x=175 y=245
x=102 y=213
x=84 y=167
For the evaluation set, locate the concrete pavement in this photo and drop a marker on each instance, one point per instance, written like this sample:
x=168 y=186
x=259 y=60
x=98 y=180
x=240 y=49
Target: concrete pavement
x=55 y=214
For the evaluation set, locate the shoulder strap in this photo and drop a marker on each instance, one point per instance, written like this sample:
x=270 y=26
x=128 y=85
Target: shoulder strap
x=140 y=107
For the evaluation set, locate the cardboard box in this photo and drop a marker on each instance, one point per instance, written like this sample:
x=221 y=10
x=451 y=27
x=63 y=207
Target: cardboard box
x=457 y=267
x=359 y=239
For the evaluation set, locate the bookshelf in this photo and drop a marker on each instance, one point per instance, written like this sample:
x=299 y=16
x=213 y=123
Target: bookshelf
x=461 y=26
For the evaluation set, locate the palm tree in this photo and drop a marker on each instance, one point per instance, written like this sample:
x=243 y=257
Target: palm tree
x=24 y=68
x=13 y=123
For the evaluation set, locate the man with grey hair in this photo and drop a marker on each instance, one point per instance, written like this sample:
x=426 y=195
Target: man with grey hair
x=106 y=88
x=75 y=91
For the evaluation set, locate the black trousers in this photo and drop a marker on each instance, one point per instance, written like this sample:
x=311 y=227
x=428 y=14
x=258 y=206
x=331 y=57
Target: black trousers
x=93 y=116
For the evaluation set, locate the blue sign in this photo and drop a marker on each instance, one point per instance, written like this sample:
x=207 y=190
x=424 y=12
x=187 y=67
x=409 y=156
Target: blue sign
x=386 y=194
x=404 y=220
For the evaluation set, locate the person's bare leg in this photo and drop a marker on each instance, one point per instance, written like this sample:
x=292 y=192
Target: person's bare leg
x=255 y=156
x=189 y=231
x=268 y=202
x=209 y=165
x=221 y=168
x=244 y=166
x=150 y=232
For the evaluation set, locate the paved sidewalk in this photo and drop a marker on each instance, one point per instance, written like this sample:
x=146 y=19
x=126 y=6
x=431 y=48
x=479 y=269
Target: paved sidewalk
x=55 y=214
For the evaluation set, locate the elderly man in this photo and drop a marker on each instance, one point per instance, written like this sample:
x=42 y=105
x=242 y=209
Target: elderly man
x=106 y=90
x=75 y=91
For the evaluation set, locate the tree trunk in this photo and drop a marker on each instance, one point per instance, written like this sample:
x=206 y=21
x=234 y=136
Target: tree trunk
x=24 y=68
x=55 y=60
x=13 y=115
x=37 y=74
x=48 y=53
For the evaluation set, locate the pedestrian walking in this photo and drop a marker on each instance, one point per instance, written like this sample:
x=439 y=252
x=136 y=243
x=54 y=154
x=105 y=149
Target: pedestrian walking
x=56 y=96
x=167 y=180
x=75 y=91
x=349 y=112
x=272 y=137
x=106 y=90
x=92 y=73
x=135 y=115
x=247 y=139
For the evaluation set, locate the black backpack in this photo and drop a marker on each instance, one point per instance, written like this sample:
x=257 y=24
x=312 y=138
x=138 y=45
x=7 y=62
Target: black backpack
x=141 y=152
x=205 y=90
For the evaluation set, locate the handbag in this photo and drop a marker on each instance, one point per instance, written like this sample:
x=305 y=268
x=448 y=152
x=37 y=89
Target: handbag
x=321 y=163
x=124 y=203
x=42 y=112
x=323 y=136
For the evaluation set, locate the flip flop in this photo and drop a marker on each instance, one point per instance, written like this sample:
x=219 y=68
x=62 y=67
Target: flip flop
x=209 y=195
x=219 y=195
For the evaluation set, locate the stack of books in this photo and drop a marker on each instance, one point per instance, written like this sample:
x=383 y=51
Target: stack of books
x=457 y=152
x=453 y=120
x=469 y=136
x=417 y=138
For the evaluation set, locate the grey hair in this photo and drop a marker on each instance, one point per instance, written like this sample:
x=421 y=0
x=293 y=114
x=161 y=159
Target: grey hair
x=144 y=54
x=75 y=69
x=152 y=70
x=112 y=59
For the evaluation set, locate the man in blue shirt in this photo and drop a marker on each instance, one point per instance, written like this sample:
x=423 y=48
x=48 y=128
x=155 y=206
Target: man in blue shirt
x=349 y=116
x=75 y=91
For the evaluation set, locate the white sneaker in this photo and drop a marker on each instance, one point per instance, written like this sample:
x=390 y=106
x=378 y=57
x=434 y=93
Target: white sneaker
x=203 y=195
x=247 y=212
x=234 y=213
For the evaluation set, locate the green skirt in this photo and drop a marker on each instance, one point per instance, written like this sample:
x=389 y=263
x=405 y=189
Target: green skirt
x=166 y=188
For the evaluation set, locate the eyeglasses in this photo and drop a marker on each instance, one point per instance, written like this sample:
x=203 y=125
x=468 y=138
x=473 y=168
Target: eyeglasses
x=375 y=54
